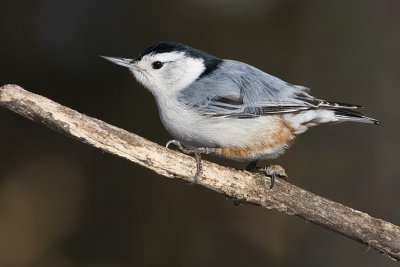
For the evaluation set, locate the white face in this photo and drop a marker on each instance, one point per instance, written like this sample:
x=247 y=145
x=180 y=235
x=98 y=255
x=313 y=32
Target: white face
x=167 y=73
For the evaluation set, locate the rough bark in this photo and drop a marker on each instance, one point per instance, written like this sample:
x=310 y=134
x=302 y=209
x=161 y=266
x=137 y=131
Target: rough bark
x=240 y=185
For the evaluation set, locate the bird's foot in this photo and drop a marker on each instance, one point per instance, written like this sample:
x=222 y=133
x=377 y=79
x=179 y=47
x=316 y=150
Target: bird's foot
x=271 y=171
x=197 y=156
x=180 y=146
x=274 y=171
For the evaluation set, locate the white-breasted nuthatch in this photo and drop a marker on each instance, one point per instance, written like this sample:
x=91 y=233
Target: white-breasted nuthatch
x=226 y=107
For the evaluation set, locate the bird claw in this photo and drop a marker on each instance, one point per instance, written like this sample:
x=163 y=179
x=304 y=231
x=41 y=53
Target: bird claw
x=172 y=142
x=274 y=170
x=180 y=146
x=278 y=170
x=271 y=171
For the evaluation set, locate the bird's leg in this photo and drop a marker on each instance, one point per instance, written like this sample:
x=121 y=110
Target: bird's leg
x=252 y=167
x=199 y=170
x=271 y=171
x=197 y=156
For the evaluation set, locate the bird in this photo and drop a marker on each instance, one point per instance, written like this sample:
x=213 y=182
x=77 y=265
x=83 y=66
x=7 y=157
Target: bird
x=229 y=108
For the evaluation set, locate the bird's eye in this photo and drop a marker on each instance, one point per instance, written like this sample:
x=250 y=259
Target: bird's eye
x=157 y=65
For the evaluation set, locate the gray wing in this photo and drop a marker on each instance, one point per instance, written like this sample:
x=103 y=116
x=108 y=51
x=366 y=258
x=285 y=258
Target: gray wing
x=239 y=90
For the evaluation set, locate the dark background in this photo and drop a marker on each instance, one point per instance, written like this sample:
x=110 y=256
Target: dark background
x=63 y=203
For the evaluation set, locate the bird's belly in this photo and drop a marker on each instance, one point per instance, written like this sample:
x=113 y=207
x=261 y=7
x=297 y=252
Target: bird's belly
x=239 y=139
x=266 y=139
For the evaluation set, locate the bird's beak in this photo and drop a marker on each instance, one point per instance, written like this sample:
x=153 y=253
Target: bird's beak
x=125 y=62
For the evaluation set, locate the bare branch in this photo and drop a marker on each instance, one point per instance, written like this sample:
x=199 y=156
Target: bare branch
x=240 y=185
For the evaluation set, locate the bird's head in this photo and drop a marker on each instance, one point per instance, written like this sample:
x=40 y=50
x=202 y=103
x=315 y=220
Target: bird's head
x=167 y=68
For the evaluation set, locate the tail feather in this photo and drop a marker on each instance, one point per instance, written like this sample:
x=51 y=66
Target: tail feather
x=324 y=112
x=343 y=114
x=338 y=105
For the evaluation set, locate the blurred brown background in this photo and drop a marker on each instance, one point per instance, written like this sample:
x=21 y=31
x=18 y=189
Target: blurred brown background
x=63 y=203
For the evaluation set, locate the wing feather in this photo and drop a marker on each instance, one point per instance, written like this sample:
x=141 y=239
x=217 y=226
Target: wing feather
x=239 y=90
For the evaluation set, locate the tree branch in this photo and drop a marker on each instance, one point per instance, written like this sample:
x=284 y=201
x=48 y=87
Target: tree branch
x=240 y=185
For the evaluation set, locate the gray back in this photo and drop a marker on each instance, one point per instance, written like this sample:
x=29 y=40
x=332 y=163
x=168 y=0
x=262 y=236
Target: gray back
x=238 y=89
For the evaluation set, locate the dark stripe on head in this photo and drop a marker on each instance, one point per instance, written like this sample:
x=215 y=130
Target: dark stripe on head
x=211 y=62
